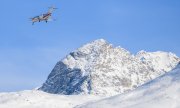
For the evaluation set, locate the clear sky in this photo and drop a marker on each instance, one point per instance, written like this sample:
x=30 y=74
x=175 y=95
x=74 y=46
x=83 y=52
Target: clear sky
x=29 y=52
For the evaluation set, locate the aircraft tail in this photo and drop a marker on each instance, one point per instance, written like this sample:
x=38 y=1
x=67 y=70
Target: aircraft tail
x=51 y=9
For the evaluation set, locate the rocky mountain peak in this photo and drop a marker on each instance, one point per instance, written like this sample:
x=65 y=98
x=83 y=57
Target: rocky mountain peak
x=99 y=68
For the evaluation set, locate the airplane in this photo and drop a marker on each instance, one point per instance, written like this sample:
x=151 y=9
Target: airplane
x=44 y=17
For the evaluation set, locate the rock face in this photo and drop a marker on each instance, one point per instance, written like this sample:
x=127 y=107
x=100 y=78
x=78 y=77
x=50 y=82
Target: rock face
x=99 y=68
x=162 y=92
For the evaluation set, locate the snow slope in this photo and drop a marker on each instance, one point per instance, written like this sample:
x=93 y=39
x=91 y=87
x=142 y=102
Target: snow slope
x=39 y=99
x=163 y=92
x=99 y=68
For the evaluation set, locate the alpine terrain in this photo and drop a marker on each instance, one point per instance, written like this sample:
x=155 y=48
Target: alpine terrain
x=99 y=68
x=163 y=92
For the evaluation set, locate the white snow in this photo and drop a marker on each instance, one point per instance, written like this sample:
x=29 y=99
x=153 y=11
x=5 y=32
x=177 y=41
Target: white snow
x=99 y=68
x=39 y=99
x=163 y=92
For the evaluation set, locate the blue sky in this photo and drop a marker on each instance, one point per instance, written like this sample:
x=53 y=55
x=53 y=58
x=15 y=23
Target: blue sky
x=28 y=53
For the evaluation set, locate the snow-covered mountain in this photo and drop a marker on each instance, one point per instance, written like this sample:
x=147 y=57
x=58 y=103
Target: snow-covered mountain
x=163 y=92
x=99 y=68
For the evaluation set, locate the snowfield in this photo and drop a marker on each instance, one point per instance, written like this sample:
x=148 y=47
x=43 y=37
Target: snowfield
x=39 y=99
x=163 y=92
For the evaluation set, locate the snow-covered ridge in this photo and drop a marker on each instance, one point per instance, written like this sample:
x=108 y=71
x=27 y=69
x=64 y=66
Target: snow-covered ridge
x=101 y=69
x=163 y=92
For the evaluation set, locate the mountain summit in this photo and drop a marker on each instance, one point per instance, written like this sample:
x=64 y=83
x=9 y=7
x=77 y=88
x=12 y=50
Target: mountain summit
x=99 y=68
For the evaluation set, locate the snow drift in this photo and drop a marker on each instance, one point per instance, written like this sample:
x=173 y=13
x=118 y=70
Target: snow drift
x=39 y=99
